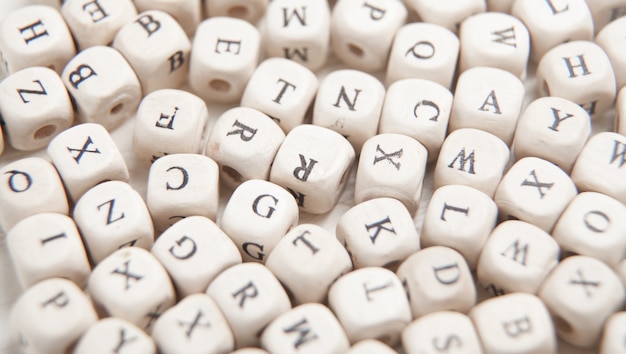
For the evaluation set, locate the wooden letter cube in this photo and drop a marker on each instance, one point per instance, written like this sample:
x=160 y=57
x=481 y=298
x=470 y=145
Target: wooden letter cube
x=613 y=334
x=35 y=107
x=440 y=332
x=394 y=166
x=447 y=13
x=370 y=346
x=186 y=12
x=116 y=333
x=612 y=44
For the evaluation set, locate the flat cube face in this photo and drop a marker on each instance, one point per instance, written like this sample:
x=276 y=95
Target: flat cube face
x=581 y=293
x=96 y=22
x=557 y=122
x=440 y=330
x=104 y=86
x=51 y=316
x=169 y=121
x=187 y=12
x=157 y=48
x=425 y=51
x=48 y=245
x=244 y=142
x=514 y=323
x=581 y=72
x=182 y=185
x=593 y=225
x=444 y=14
x=35 y=35
x=282 y=89
x=496 y=40
x=370 y=303
x=517 y=257
x=30 y=186
x=194 y=251
x=379 y=232
x=459 y=217
x=610 y=42
x=35 y=107
x=489 y=99
x=115 y=333
x=350 y=102
x=298 y=30
x=370 y=346
x=599 y=166
x=225 y=52
x=112 y=216
x=313 y=163
x=269 y=212
x=310 y=327
x=308 y=252
x=131 y=284
x=394 y=166
x=362 y=33
x=193 y=325
x=420 y=109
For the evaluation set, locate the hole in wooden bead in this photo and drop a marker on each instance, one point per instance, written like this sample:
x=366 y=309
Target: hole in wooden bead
x=238 y=11
x=562 y=325
x=45 y=131
x=117 y=108
x=220 y=85
x=356 y=50
x=232 y=173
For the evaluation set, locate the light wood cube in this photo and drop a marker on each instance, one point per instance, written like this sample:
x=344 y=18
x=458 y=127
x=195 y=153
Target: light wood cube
x=308 y=252
x=244 y=142
x=425 y=51
x=104 y=86
x=194 y=251
x=248 y=10
x=608 y=38
x=115 y=334
x=378 y=233
x=613 y=334
x=440 y=332
x=420 y=109
x=447 y=13
x=186 y=12
x=605 y=12
x=30 y=186
x=370 y=346
x=111 y=216
x=35 y=107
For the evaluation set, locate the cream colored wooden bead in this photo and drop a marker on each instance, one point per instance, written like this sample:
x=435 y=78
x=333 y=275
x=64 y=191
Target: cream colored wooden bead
x=613 y=334
x=309 y=328
x=447 y=13
x=370 y=346
x=313 y=163
x=472 y=157
x=581 y=293
x=157 y=48
x=435 y=279
x=517 y=257
x=536 y=191
x=580 y=71
x=169 y=121
x=182 y=185
x=96 y=22
x=47 y=245
x=605 y=11
x=308 y=252
x=362 y=31
x=194 y=251
x=378 y=233
x=350 y=102
x=248 y=10
x=459 y=217
x=420 y=109
x=298 y=30
x=393 y=166
x=250 y=297
x=35 y=107
x=224 y=54
x=495 y=40
x=30 y=186
x=426 y=51
x=117 y=335
x=593 y=225
x=554 y=129
x=103 y=86
x=608 y=38
x=599 y=166
x=514 y=323
x=34 y=35
x=186 y=12
x=244 y=142
x=440 y=332
x=131 y=284
x=552 y=22
x=370 y=303
x=489 y=99
x=193 y=325
x=111 y=216
x=51 y=316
